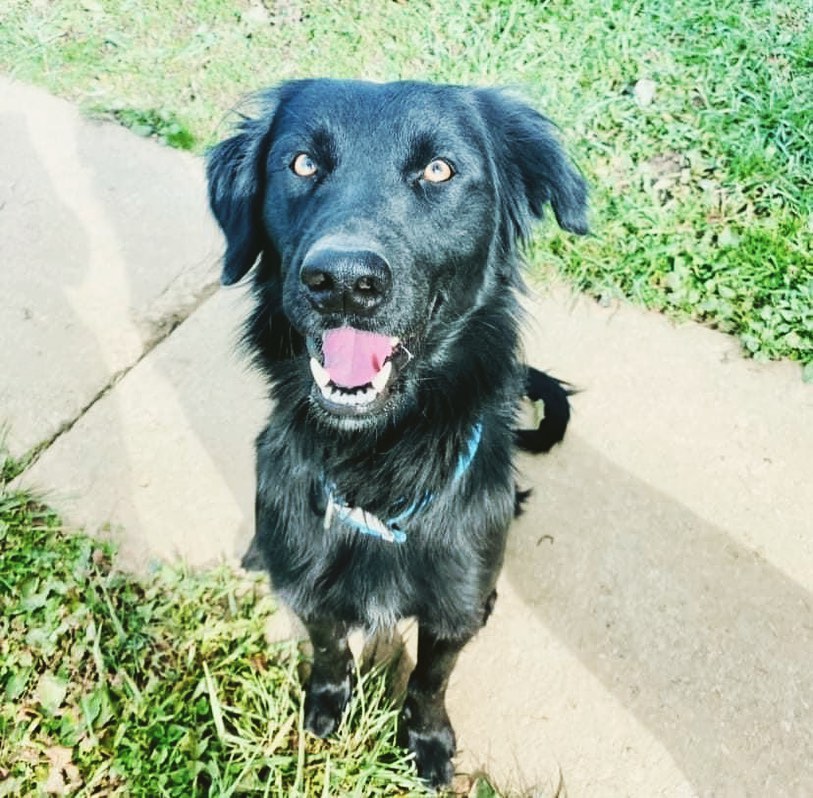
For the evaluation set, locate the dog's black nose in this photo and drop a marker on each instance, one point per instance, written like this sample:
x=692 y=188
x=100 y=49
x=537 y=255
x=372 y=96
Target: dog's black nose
x=344 y=281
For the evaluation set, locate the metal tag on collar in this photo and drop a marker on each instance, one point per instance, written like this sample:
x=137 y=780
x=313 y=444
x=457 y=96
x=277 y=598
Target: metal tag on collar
x=368 y=524
x=330 y=510
x=359 y=520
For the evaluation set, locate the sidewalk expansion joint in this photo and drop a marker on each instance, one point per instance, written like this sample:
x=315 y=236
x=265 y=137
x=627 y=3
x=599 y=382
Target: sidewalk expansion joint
x=162 y=330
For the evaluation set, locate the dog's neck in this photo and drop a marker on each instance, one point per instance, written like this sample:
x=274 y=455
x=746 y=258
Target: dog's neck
x=393 y=528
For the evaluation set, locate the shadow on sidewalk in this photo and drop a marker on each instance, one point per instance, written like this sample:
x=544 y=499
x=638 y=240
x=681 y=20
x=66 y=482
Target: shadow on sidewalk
x=704 y=641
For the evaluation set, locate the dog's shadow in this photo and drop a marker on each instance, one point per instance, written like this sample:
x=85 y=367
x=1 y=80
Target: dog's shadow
x=694 y=635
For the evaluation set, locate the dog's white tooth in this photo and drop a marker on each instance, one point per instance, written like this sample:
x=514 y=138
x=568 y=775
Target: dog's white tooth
x=383 y=377
x=320 y=376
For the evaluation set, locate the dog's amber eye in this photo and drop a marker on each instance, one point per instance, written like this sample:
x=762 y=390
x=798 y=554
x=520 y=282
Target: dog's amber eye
x=438 y=171
x=304 y=165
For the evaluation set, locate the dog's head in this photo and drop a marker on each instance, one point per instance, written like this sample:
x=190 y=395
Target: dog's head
x=384 y=220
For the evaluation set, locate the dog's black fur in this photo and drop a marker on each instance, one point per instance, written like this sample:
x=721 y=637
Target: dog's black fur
x=395 y=209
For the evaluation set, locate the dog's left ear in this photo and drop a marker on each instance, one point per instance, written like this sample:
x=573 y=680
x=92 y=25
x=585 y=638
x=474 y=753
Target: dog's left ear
x=534 y=169
x=235 y=171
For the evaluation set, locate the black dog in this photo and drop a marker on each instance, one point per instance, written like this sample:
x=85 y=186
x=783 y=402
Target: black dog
x=383 y=222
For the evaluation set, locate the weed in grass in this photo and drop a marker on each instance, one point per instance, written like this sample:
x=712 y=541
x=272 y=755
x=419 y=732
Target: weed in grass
x=10 y=468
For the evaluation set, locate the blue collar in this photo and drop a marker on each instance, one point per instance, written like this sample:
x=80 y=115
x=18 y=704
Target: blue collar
x=392 y=530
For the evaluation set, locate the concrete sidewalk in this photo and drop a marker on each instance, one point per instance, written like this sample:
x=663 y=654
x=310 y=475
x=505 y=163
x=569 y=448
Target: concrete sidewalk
x=654 y=633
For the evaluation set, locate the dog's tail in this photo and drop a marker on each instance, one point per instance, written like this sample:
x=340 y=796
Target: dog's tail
x=554 y=395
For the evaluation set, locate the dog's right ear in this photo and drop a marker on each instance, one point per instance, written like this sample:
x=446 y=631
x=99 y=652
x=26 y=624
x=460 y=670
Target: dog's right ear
x=235 y=170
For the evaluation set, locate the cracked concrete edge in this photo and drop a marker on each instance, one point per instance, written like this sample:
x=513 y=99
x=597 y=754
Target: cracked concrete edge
x=181 y=298
x=162 y=326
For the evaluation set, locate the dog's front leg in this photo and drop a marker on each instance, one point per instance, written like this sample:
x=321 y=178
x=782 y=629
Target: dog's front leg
x=424 y=726
x=331 y=679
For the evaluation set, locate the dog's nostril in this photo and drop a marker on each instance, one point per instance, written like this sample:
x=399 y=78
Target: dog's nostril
x=316 y=279
x=368 y=285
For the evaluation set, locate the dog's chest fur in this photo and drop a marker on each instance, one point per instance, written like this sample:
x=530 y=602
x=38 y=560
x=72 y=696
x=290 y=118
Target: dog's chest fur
x=336 y=571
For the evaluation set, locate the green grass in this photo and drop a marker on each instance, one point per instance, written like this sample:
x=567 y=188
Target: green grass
x=702 y=198
x=161 y=686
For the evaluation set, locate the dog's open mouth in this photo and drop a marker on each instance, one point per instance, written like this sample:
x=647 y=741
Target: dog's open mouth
x=355 y=370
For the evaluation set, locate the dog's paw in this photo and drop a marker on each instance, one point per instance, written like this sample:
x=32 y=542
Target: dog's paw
x=433 y=748
x=324 y=706
x=433 y=757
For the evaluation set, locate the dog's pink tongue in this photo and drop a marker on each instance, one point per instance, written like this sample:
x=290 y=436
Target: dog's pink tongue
x=353 y=357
